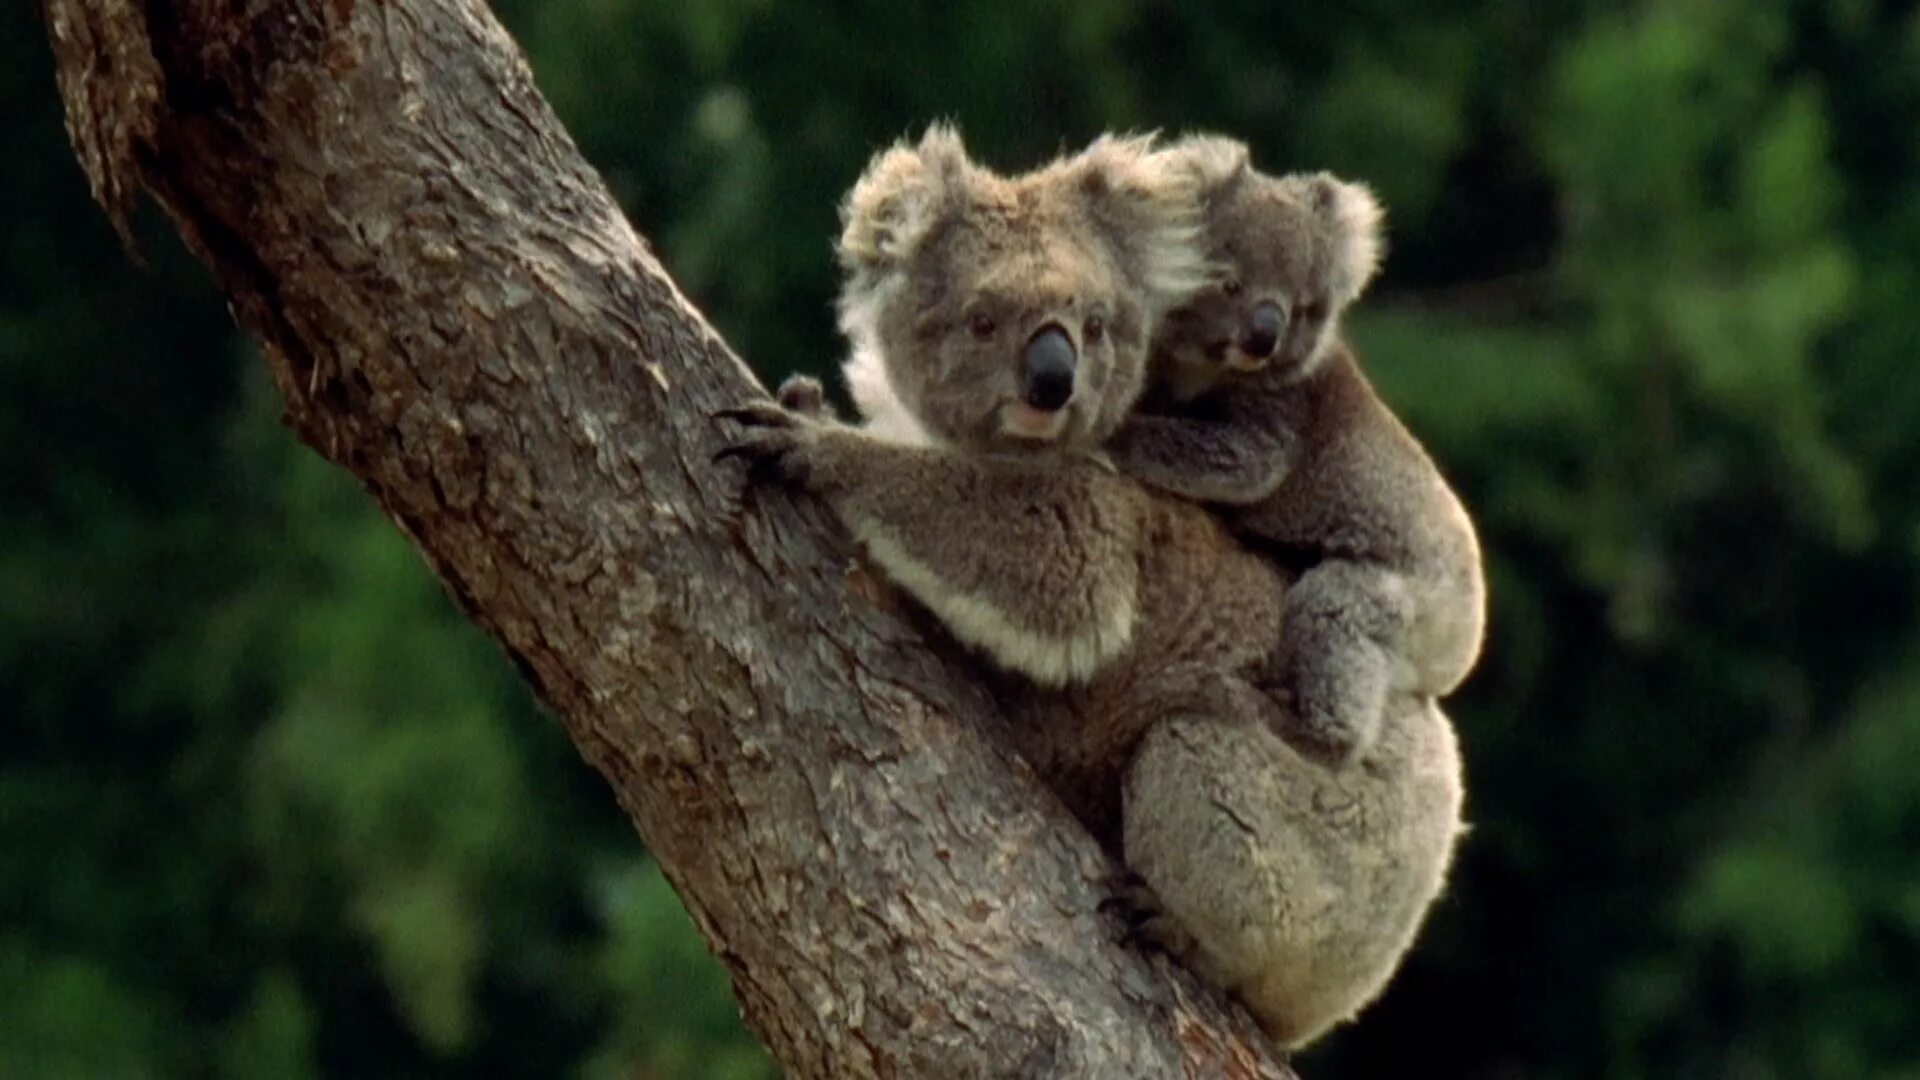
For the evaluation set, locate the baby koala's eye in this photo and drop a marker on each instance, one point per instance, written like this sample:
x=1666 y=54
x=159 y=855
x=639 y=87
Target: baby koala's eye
x=1096 y=327
x=981 y=325
x=1231 y=286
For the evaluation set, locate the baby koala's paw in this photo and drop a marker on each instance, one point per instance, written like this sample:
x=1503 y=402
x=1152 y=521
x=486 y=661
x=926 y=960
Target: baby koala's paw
x=778 y=445
x=807 y=396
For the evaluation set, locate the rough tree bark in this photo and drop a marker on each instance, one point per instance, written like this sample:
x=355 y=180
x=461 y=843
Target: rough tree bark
x=457 y=312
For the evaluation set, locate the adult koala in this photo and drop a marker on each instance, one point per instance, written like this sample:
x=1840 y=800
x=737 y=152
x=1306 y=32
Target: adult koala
x=1011 y=316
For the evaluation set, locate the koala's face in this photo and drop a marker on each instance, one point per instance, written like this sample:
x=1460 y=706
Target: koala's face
x=1014 y=313
x=1016 y=327
x=1292 y=253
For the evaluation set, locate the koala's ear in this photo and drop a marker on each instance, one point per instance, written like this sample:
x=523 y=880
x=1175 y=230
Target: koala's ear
x=899 y=199
x=1216 y=162
x=1350 y=225
x=1148 y=204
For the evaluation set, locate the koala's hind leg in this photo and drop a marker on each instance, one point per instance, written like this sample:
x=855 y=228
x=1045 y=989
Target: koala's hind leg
x=1339 y=655
x=1221 y=823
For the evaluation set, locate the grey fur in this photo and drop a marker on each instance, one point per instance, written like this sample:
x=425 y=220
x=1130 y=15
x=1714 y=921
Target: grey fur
x=1303 y=458
x=1127 y=626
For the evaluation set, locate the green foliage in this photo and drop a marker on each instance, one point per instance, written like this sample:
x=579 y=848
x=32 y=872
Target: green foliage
x=68 y=1017
x=272 y=1035
x=270 y=807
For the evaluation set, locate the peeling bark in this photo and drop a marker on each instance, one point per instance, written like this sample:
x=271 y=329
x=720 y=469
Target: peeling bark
x=456 y=311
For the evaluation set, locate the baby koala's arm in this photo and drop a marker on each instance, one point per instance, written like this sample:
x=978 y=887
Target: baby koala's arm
x=1033 y=561
x=1238 y=456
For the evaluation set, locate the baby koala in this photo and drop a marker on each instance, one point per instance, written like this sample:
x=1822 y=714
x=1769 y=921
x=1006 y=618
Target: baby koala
x=1258 y=407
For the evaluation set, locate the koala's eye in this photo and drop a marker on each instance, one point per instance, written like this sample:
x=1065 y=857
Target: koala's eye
x=981 y=325
x=1231 y=286
x=1096 y=327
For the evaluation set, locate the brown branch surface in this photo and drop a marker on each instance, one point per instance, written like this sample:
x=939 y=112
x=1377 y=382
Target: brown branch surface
x=457 y=313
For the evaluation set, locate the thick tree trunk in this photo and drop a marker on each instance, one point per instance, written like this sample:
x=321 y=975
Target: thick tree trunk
x=458 y=313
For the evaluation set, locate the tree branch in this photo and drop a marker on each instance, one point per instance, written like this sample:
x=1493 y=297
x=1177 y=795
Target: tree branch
x=457 y=312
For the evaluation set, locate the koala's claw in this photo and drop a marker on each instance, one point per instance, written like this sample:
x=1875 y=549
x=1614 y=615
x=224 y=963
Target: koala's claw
x=1133 y=901
x=773 y=443
x=766 y=452
x=758 y=414
x=751 y=451
x=1147 y=924
x=1164 y=933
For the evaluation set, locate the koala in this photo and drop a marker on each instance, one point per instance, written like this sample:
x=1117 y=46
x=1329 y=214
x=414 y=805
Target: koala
x=1261 y=410
x=1010 y=319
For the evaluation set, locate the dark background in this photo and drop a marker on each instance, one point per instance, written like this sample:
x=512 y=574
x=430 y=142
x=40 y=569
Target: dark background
x=268 y=807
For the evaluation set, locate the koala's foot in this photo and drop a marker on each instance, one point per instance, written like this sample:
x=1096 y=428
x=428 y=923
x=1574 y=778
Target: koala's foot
x=807 y=396
x=1337 y=695
x=777 y=444
x=1337 y=659
x=1146 y=922
x=1130 y=900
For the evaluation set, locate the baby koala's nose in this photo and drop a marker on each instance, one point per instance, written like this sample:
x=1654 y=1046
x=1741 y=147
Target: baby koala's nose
x=1264 y=330
x=1046 y=375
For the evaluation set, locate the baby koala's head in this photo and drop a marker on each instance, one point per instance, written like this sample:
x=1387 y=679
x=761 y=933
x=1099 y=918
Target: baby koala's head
x=1012 y=312
x=1293 y=252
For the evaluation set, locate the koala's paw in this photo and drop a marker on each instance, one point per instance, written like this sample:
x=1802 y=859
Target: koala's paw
x=805 y=395
x=777 y=444
x=1144 y=921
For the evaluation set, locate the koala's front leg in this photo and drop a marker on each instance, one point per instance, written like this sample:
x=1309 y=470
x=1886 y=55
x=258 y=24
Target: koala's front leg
x=1033 y=560
x=1340 y=651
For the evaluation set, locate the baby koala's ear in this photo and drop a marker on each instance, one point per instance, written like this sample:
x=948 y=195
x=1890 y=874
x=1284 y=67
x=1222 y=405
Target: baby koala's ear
x=1216 y=162
x=899 y=198
x=1148 y=205
x=1351 y=244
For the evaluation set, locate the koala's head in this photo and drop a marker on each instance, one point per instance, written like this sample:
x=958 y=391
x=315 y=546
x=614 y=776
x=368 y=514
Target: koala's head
x=1013 y=312
x=1294 y=251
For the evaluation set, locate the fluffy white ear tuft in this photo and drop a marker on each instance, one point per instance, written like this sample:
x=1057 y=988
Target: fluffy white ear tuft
x=899 y=198
x=1353 y=220
x=1149 y=202
x=1215 y=160
x=893 y=207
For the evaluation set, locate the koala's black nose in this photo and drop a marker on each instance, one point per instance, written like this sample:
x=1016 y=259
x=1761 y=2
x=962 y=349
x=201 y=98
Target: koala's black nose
x=1264 y=330
x=1046 y=377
